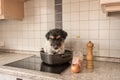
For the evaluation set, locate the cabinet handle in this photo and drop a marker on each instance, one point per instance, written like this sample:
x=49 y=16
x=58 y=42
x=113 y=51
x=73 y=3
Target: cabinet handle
x=19 y=79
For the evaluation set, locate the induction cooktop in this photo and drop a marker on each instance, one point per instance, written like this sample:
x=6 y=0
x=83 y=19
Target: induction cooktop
x=35 y=63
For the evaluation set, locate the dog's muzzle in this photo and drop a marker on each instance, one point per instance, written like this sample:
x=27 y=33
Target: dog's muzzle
x=56 y=44
x=55 y=47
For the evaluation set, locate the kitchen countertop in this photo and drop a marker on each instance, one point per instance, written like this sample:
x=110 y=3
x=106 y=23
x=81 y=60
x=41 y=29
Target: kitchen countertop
x=102 y=70
x=11 y=57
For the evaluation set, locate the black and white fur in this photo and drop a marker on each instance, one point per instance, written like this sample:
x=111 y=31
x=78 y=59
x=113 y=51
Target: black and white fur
x=55 y=42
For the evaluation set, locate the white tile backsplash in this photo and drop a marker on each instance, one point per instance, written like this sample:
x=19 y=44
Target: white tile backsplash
x=75 y=6
x=66 y=1
x=114 y=34
x=29 y=34
x=92 y=25
x=104 y=24
x=115 y=24
x=66 y=25
x=84 y=25
x=72 y=1
x=66 y=8
x=84 y=5
x=74 y=25
x=75 y=16
x=115 y=53
x=104 y=44
x=82 y=18
x=115 y=44
x=67 y=17
x=94 y=5
x=93 y=34
x=74 y=34
x=84 y=15
x=104 y=35
x=84 y=34
x=104 y=53
x=94 y=15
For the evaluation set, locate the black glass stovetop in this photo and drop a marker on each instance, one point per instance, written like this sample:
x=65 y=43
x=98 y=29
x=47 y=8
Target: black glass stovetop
x=35 y=63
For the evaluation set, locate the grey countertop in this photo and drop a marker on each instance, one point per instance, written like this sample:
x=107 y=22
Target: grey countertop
x=102 y=70
x=11 y=57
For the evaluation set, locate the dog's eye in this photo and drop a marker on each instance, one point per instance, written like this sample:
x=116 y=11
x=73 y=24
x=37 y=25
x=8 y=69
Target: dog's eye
x=50 y=39
x=57 y=38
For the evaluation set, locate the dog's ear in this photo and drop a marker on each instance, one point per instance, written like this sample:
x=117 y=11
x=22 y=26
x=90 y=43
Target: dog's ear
x=64 y=34
x=47 y=35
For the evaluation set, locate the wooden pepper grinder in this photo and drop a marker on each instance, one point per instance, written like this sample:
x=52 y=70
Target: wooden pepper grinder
x=89 y=56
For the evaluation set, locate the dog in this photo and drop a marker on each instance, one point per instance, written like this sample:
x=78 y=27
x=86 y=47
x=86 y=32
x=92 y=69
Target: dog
x=55 y=42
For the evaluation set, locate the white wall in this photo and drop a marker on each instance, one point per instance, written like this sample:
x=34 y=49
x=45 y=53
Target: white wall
x=85 y=18
x=28 y=34
x=82 y=18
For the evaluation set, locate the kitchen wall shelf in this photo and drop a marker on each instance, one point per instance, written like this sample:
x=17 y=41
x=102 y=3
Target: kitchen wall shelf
x=110 y=5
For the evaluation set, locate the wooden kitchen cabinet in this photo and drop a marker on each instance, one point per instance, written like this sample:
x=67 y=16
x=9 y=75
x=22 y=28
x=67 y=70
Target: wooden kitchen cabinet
x=11 y=9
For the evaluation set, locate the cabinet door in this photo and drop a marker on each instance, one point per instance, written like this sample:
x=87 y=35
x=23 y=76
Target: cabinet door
x=109 y=1
x=0 y=7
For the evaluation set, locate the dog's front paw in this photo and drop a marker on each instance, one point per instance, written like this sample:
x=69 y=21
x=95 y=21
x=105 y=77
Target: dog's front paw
x=50 y=53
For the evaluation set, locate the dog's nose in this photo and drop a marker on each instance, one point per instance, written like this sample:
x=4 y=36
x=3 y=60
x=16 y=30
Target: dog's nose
x=56 y=48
